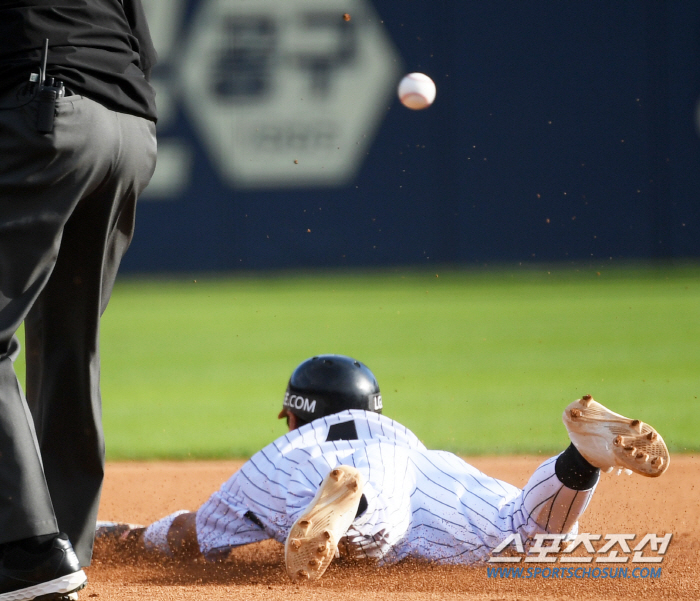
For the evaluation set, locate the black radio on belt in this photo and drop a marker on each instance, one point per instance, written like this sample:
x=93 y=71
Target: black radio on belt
x=49 y=90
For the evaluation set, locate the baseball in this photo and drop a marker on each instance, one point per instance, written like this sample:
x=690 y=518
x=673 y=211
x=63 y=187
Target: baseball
x=416 y=91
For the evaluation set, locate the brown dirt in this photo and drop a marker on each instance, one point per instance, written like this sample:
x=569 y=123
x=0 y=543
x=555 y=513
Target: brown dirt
x=144 y=492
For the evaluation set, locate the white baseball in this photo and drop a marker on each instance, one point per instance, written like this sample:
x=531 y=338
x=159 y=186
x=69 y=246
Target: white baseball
x=416 y=91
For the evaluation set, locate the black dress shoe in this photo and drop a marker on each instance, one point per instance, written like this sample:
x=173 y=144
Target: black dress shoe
x=49 y=571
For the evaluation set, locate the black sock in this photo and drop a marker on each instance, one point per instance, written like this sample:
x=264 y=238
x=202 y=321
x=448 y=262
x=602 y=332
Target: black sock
x=574 y=471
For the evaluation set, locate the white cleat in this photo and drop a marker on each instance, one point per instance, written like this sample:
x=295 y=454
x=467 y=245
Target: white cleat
x=313 y=539
x=610 y=441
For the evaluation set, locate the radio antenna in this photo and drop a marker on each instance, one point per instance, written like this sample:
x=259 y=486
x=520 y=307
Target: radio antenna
x=44 y=56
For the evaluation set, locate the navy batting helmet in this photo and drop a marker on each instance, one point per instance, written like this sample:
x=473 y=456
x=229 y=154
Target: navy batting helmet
x=327 y=384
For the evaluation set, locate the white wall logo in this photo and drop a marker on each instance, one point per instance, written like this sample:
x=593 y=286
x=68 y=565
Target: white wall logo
x=286 y=93
x=299 y=402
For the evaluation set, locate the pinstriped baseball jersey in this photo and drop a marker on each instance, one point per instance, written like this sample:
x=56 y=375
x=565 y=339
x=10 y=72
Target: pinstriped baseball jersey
x=417 y=502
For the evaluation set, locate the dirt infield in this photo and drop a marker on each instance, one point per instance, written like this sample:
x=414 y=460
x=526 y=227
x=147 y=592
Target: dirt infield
x=144 y=492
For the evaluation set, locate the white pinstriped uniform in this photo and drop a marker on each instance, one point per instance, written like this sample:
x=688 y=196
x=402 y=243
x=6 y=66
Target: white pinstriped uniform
x=420 y=503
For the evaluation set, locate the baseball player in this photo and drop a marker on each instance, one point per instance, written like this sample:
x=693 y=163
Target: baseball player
x=348 y=479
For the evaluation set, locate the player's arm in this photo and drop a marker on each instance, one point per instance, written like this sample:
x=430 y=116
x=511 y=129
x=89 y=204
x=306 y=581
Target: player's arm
x=173 y=536
x=182 y=536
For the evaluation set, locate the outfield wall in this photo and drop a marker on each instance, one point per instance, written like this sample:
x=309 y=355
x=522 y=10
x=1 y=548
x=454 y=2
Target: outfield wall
x=561 y=131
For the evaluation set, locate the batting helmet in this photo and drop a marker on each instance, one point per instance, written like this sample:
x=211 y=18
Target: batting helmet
x=327 y=384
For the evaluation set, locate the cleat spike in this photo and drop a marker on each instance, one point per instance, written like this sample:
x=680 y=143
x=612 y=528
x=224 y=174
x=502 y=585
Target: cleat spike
x=637 y=425
x=586 y=400
x=575 y=413
x=327 y=535
x=305 y=523
x=335 y=474
x=303 y=574
x=352 y=485
x=652 y=436
x=618 y=441
x=641 y=456
x=657 y=462
x=295 y=543
x=314 y=563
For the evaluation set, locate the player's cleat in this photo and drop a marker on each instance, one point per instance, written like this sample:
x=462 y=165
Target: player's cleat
x=610 y=441
x=313 y=539
x=51 y=574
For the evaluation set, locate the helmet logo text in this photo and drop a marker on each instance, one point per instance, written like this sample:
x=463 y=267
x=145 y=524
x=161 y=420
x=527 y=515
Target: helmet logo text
x=299 y=402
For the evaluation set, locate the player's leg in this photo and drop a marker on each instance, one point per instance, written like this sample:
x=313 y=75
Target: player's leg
x=559 y=491
x=62 y=330
x=460 y=514
x=555 y=496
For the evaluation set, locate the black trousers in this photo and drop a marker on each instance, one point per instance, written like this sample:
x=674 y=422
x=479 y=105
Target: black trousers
x=67 y=205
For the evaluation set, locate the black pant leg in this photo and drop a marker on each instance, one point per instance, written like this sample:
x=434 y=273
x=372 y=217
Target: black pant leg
x=77 y=188
x=63 y=357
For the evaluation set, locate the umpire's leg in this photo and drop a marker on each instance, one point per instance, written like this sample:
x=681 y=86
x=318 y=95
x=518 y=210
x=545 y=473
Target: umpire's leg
x=113 y=156
x=63 y=359
x=30 y=232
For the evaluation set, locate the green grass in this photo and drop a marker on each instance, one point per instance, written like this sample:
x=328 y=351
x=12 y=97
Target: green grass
x=474 y=361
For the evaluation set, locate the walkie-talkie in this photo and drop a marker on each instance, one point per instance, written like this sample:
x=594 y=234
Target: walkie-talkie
x=49 y=90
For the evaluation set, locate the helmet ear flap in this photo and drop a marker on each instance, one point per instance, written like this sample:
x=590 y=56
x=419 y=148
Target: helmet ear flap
x=327 y=384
